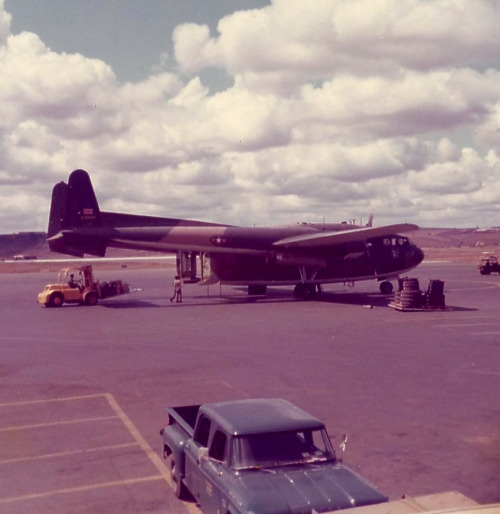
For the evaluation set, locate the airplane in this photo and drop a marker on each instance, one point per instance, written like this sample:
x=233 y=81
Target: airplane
x=305 y=255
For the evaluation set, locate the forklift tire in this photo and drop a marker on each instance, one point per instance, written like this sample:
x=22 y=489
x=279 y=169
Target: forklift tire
x=91 y=299
x=56 y=300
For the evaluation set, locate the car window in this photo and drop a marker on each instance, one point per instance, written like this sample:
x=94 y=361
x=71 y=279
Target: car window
x=218 y=447
x=202 y=432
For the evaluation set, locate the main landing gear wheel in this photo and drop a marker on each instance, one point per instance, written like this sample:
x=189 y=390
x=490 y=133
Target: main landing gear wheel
x=257 y=289
x=305 y=291
x=386 y=287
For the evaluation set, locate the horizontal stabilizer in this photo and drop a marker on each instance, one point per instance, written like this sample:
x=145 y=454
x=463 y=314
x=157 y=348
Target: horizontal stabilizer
x=70 y=243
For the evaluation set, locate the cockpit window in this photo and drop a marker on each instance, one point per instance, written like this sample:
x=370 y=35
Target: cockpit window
x=392 y=241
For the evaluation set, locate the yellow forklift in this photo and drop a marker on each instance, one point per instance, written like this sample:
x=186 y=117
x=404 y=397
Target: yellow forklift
x=78 y=285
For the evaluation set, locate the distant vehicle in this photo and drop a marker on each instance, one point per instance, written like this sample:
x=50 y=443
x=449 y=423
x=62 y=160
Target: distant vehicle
x=22 y=257
x=260 y=456
x=304 y=255
x=78 y=285
x=488 y=264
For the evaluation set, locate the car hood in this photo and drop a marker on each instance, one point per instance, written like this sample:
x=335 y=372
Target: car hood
x=299 y=490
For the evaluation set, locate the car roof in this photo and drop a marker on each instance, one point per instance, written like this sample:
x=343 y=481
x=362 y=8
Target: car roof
x=257 y=416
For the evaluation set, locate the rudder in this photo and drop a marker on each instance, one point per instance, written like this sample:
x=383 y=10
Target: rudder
x=74 y=206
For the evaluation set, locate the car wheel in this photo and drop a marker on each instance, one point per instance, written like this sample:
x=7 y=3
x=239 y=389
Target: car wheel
x=175 y=482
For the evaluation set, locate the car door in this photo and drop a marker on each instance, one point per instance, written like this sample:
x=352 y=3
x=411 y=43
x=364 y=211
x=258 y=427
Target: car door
x=213 y=473
x=194 y=480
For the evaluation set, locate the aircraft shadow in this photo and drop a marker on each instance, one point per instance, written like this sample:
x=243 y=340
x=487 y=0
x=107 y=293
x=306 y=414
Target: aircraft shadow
x=275 y=295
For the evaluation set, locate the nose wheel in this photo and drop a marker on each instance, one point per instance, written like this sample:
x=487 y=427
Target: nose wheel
x=386 y=287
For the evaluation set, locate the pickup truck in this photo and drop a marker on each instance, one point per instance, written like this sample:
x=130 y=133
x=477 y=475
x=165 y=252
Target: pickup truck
x=258 y=456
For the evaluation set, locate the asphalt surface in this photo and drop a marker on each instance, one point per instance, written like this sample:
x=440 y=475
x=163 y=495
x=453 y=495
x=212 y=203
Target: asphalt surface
x=84 y=389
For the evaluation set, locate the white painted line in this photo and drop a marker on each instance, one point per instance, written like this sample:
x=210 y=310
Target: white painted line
x=157 y=462
x=486 y=323
x=153 y=457
x=66 y=454
x=479 y=372
x=50 y=400
x=122 y=416
x=83 y=488
x=57 y=423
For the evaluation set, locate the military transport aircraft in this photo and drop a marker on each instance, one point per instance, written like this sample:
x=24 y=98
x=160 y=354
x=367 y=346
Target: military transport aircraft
x=305 y=255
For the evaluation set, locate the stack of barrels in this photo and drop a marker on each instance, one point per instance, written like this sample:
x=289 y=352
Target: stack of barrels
x=435 y=297
x=409 y=296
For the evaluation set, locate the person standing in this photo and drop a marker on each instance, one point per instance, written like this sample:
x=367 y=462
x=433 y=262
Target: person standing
x=177 y=284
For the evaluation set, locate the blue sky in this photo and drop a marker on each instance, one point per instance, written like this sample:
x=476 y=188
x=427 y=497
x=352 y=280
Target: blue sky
x=254 y=112
x=129 y=35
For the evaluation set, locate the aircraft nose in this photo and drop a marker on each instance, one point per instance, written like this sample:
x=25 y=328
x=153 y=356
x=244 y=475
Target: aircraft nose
x=418 y=255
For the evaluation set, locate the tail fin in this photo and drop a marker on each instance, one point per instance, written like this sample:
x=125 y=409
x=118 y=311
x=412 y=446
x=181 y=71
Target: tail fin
x=74 y=206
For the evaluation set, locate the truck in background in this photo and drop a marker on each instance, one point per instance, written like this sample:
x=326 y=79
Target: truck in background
x=488 y=263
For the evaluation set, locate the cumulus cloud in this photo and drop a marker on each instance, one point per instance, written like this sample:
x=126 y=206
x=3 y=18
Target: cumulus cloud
x=353 y=36
x=336 y=111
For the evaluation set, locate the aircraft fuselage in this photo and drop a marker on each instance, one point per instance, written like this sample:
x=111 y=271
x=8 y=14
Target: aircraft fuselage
x=305 y=253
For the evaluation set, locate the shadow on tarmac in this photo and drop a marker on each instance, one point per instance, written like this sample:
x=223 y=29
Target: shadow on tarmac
x=367 y=300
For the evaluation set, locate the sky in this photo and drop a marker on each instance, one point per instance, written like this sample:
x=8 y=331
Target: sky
x=254 y=112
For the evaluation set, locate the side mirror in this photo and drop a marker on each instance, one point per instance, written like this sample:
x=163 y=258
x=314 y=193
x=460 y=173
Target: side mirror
x=343 y=447
x=202 y=454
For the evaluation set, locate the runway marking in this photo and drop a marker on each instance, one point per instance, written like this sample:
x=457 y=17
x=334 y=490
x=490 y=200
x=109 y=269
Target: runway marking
x=236 y=389
x=479 y=372
x=119 y=414
x=57 y=423
x=486 y=323
x=157 y=462
x=50 y=400
x=68 y=453
x=83 y=488
x=153 y=457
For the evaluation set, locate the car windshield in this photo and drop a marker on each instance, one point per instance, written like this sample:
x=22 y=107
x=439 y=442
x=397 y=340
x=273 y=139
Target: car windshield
x=281 y=449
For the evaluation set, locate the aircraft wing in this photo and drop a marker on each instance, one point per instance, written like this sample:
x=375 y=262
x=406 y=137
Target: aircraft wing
x=328 y=238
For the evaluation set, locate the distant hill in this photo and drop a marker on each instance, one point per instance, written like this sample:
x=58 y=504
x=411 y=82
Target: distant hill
x=434 y=241
x=23 y=243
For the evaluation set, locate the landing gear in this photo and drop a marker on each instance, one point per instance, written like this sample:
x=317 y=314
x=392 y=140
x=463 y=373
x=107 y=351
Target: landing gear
x=305 y=291
x=386 y=287
x=257 y=289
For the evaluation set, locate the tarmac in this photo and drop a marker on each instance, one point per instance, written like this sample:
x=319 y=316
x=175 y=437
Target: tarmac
x=84 y=389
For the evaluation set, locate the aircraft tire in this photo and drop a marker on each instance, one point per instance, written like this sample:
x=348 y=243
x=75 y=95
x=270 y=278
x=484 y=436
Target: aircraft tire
x=386 y=287
x=305 y=291
x=56 y=300
x=257 y=289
